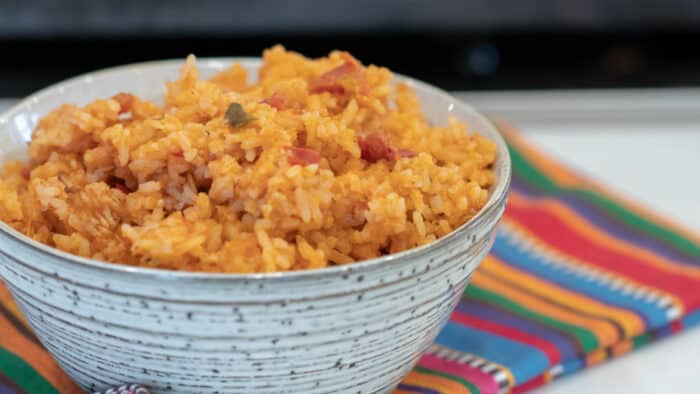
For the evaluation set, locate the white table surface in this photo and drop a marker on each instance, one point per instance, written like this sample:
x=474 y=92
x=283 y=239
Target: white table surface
x=645 y=143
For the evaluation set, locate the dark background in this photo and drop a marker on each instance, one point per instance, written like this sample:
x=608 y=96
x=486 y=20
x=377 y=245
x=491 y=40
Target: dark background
x=473 y=44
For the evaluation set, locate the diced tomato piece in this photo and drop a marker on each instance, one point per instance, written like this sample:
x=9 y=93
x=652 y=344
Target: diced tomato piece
x=374 y=147
x=277 y=100
x=330 y=81
x=125 y=100
x=302 y=156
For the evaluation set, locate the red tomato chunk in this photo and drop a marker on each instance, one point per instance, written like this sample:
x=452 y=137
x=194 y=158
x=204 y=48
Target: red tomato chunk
x=374 y=147
x=331 y=80
x=302 y=156
x=276 y=100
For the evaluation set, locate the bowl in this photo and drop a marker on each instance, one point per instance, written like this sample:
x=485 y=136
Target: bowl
x=356 y=328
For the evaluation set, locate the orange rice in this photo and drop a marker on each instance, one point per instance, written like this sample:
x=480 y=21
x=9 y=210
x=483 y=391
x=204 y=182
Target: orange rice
x=335 y=164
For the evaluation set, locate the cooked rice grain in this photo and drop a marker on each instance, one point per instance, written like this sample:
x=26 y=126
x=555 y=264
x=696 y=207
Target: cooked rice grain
x=338 y=165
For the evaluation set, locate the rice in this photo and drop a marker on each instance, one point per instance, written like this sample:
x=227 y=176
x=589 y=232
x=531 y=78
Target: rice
x=327 y=163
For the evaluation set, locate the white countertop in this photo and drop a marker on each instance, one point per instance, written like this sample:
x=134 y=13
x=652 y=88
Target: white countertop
x=646 y=144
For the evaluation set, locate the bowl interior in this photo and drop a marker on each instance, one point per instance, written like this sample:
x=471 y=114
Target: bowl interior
x=148 y=81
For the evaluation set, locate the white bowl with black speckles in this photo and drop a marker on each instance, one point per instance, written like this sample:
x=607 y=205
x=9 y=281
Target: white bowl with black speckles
x=356 y=328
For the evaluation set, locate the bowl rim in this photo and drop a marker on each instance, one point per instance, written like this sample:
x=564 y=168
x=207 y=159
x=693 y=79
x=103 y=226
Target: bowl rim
x=497 y=196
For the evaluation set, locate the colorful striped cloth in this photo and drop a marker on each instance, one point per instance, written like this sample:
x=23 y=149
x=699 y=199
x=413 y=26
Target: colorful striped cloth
x=576 y=276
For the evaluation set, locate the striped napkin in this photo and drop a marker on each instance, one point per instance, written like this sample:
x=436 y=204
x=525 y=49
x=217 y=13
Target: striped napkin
x=576 y=276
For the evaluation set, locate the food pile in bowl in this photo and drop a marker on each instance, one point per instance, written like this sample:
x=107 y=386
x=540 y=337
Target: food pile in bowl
x=319 y=162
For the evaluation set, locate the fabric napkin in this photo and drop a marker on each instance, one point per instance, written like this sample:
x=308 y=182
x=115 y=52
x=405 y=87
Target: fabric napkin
x=576 y=276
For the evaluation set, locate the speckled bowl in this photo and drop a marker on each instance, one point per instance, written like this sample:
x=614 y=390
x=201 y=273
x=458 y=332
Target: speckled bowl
x=356 y=328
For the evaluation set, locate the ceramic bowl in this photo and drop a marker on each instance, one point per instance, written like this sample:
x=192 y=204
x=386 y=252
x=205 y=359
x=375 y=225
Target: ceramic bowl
x=356 y=328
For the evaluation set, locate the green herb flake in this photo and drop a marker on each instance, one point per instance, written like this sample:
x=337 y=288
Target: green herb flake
x=236 y=115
